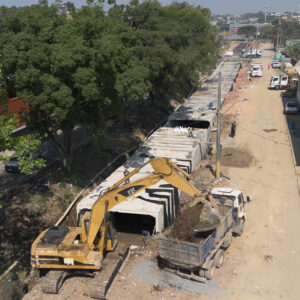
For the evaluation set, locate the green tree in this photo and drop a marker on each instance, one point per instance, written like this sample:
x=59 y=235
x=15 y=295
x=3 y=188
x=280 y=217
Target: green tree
x=78 y=71
x=294 y=51
x=248 y=31
x=283 y=30
x=176 y=42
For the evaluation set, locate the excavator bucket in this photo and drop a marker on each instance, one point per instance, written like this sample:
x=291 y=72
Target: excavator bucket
x=209 y=219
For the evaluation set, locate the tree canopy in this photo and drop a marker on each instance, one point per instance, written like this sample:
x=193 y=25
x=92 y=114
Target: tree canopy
x=248 y=31
x=78 y=69
x=283 y=30
x=294 y=51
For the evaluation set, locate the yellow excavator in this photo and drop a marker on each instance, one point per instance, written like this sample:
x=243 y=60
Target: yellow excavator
x=62 y=249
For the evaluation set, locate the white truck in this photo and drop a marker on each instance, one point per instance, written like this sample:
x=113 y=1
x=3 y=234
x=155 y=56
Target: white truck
x=251 y=53
x=256 y=70
x=198 y=259
x=279 y=82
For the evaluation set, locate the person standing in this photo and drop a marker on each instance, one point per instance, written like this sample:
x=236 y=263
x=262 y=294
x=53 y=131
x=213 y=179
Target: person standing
x=233 y=128
x=269 y=66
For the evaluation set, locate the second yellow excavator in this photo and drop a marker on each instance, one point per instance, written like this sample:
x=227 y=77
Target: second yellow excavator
x=63 y=249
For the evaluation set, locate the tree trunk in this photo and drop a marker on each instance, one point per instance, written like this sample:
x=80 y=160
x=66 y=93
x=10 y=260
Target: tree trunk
x=125 y=108
x=67 y=150
x=64 y=147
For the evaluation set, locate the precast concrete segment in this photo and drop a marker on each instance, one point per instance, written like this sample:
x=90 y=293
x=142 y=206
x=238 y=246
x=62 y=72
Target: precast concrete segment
x=161 y=205
x=161 y=201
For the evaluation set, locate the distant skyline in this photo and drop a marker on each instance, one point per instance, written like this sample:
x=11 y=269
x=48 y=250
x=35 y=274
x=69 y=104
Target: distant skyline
x=216 y=6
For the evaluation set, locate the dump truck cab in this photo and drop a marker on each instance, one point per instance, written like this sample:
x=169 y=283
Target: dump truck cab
x=225 y=195
x=279 y=82
x=256 y=70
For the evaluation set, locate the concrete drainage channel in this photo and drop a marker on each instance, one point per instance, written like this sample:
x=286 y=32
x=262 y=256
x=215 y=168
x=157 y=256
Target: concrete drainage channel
x=161 y=203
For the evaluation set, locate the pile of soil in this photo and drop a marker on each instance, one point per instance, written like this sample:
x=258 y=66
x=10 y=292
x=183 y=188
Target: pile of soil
x=234 y=157
x=183 y=226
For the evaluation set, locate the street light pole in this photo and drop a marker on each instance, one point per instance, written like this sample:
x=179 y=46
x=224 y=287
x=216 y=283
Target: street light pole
x=266 y=13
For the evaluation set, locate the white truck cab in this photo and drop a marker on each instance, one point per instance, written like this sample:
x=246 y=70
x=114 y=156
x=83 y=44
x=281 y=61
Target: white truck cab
x=246 y=53
x=235 y=196
x=256 y=70
x=279 y=82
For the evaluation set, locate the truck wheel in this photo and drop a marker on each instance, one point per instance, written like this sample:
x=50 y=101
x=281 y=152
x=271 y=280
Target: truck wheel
x=240 y=227
x=210 y=272
x=219 y=258
x=277 y=87
x=202 y=273
x=227 y=242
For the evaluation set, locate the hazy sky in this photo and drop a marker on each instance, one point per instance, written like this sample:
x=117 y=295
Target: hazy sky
x=216 y=6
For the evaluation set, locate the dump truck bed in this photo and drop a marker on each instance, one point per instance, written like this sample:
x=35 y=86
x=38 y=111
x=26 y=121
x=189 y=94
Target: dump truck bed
x=194 y=254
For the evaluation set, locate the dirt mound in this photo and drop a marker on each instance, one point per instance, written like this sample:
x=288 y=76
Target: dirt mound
x=183 y=226
x=234 y=157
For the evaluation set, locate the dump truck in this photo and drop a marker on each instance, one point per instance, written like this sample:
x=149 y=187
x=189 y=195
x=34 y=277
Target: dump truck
x=250 y=53
x=198 y=258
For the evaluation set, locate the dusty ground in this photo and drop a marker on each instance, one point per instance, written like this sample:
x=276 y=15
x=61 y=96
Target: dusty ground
x=262 y=264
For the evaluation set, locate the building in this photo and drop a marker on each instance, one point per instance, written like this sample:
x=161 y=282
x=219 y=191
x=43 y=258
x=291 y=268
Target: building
x=17 y=107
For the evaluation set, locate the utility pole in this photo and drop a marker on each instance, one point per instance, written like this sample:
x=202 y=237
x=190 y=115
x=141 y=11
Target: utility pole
x=218 y=144
x=277 y=37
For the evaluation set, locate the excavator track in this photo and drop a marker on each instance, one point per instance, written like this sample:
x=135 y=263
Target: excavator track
x=53 y=282
x=100 y=284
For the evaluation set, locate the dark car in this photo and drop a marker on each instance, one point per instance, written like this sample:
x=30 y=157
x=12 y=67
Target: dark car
x=12 y=166
x=291 y=108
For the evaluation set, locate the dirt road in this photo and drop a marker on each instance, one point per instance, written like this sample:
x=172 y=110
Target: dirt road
x=262 y=264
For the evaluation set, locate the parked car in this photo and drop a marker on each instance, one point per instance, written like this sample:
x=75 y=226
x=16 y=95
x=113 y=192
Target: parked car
x=291 y=108
x=12 y=166
x=276 y=64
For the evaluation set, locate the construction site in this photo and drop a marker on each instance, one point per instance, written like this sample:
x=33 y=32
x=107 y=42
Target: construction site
x=161 y=224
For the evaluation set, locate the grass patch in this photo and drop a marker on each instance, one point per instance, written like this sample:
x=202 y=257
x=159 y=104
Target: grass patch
x=62 y=185
x=38 y=199
x=68 y=197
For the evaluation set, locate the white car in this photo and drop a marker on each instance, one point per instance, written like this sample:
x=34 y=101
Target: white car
x=276 y=64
